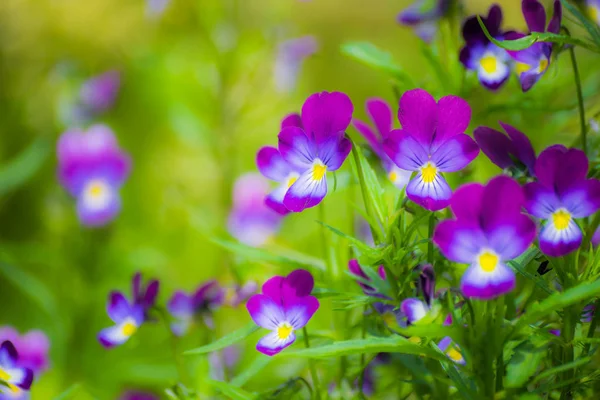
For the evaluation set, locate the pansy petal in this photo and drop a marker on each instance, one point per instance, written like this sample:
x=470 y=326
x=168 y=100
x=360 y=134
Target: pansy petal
x=452 y=350
x=298 y=283
x=554 y=24
x=503 y=198
x=333 y=150
x=495 y=145
x=274 y=288
x=494 y=19
x=548 y=163
x=306 y=192
x=459 y=241
x=418 y=115
x=541 y=201
x=454 y=115
x=427 y=283
x=291 y=120
x=274 y=200
x=368 y=133
x=272 y=344
x=573 y=168
x=264 y=311
x=151 y=292
x=559 y=242
x=8 y=354
x=301 y=310
x=113 y=336
x=513 y=237
x=398 y=176
x=118 y=307
x=381 y=114
x=98 y=208
x=296 y=148
x=180 y=305
x=405 y=151
x=432 y=196
x=271 y=164
x=596 y=238
x=20 y=377
x=326 y=113
x=534 y=14
x=455 y=153
x=466 y=202
x=181 y=326
x=414 y=309
x=521 y=146
x=483 y=285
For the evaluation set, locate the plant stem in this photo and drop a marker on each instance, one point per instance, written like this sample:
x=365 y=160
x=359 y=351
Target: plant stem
x=500 y=358
x=311 y=366
x=361 y=377
x=363 y=190
x=178 y=363
x=430 y=243
x=568 y=333
x=592 y=329
x=579 y=98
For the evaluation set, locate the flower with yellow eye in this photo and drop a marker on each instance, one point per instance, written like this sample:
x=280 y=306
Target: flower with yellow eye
x=14 y=378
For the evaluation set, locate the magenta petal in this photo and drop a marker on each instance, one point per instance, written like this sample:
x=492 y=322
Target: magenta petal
x=573 y=168
x=271 y=164
x=272 y=344
x=454 y=115
x=298 y=283
x=583 y=198
x=296 y=148
x=455 y=153
x=291 y=120
x=479 y=284
x=264 y=311
x=414 y=309
x=299 y=311
x=118 y=307
x=381 y=115
x=535 y=15
x=502 y=199
x=432 y=196
x=274 y=288
x=418 y=115
x=326 y=113
x=548 y=163
x=367 y=132
x=521 y=145
x=495 y=145
x=274 y=200
x=558 y=243
x=541 y=201
x=306 y=192
x=510 y=239
x=459 y=241
x=466 y=202
x=405 y=151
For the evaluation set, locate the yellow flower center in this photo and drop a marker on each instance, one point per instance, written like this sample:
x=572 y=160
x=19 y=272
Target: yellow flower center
x=489 y=63
x=292 y=179
x=488 y=261
x=393 y=176
x=14 y=388
x=543 y=65
x=4 y=376
x=284 y=331
x=428 y=172
x=319 y=170
x=561 y=219
x=594 y=13
x=128 y=329
x=522 y=67
x=454 y=354
x=96 y=189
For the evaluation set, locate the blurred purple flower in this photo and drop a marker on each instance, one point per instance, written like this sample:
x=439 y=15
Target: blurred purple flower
x=380 y=114
x=356 y=269
x=138 y=395
x=144 y=295
x=561 y=194
x=155 y=8
x=284 y=306
x=431 y=141
x=513 y=151
x=223 y=362
x=414 y=308
x=533 y=61
x=288 y=62
x=92 y=168
x=128 y=317
x=202 y=302
x=99 y=93
x=251 y=221
x=239 y=294
x=32 y=347
x=488 y=230
x=16 y=377
x=593 y=7
x=492 y=63
x=423 y=16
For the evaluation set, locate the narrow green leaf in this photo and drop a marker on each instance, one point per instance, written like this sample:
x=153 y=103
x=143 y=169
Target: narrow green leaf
x=226 y=340
x=363 y=247
x=69 y=393
x=372 y=56
x=24 y=166
x=232 y=392
x=539 y=281
x=259 y=363
x=561 y=368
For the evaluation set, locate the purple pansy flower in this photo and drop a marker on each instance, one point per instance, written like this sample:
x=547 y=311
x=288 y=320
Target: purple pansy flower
x=380 y=114
x=479 y=54
x=32 y=347
x=356 y=269
x=533 y=61
x=92 y=168
x=202 y=302
x=284 y=306
x=251 y=221
x=423 y=16
x=319 y=146
x=127 y=316
x=593 y=7
x=99 y=93
x=561 y=194
x=513 y=152
x=431 y=141
x=288 y=62
x=15 y=377
x=488 y=230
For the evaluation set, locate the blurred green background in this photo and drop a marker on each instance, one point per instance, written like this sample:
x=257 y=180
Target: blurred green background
x=197 y=100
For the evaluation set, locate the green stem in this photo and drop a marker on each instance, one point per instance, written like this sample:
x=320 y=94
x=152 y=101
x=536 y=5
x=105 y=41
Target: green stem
x=311 y=366
x=361 y=377
x=579 y=97
x=568 y=333
x=363 y=191
x=430 y=243
x=178 y=362
x=592 y=329
x=500 y=310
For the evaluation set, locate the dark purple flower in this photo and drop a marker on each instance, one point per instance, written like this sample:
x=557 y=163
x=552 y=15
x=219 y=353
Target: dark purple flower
x=128 y=317
x=561 y=194
x=138 y=395
x=356 y=269
x=32 y=347
x=251 y=221
x=533 y=61
x=431 y=141
x=144 y=295
x=415 y=309
x=92 y=168
x=288 y=62
x=319 y=146
x=202 y=302
x=479 y=54
x=512 y=151
x=99 y=93
x=16 y=377
x=488 y=230
x=588 y=313
x=380 y=114
x=284 y=306
x=593 y=7
x=423 y=16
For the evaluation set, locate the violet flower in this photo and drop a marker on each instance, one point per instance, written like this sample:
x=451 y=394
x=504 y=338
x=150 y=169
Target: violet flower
x=284 y=306
x=288 y=62
x=533 y=62
x=593 y=7
x=380 y=114
x=16 y=378
x=356 y=269
x=423 y=16
x=202 y=302
x=251 y=221
x=561 y=194
x=319 y=146
x=127 y=316
x=144 y=295
x=513 y=152
x=33 y=348
x=92 y=168
x=488 y=230
x=414 y=308
x=492 y=63
x=431 y=141
x=99 y=93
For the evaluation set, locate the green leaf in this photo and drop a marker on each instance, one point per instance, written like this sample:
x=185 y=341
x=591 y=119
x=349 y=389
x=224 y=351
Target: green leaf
x=538 y=280
x=232 y=392
x=259 y=363
x=394 y=344
x=226 y=340
x=69 y=393
x=589 y=25
x=535 y=37
x=372 y=56
x=24 y=166
x=524 y=363
x=561 y=368
x=362 y=247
